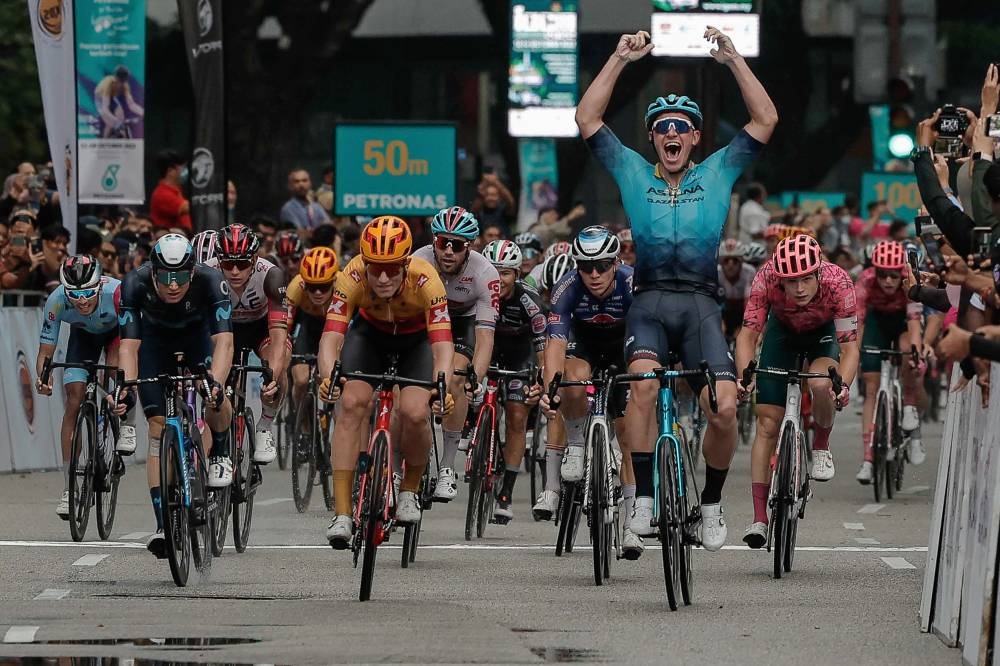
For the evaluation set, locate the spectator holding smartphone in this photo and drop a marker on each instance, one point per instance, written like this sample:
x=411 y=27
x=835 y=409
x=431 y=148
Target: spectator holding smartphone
x=20 y=259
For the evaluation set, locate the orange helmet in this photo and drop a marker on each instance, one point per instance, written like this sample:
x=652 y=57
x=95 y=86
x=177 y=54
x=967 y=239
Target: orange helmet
x=791 y=232
x=319 y=266
x=889 y=255
x=797 y=256
x=774 y=231
x=385 y=240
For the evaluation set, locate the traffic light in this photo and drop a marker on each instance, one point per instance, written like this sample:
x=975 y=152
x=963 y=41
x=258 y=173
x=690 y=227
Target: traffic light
x=902 y=137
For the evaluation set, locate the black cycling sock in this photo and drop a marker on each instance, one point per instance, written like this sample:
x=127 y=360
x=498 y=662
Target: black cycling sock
x=155 y=498
x=220 y=443
x=509 y=479
x=642 y=467
x=714 y=480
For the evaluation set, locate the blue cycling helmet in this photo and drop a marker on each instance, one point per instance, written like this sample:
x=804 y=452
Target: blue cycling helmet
x=457 y=221
x=680 y=103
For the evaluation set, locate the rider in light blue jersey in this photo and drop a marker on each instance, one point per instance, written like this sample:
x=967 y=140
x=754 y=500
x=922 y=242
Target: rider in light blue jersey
x=678 y=210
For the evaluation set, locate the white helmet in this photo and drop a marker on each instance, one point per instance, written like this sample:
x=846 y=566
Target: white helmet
x=596 y=243
x=172 y=252
x=503 y=254
x=554 y=268
x=732 y=248
x=204 y=245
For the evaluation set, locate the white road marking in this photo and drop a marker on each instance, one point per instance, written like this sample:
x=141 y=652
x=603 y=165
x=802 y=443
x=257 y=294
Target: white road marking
x=871 y=508
x=273 y=501
x=135 y=536
x=914 y=490
x=898 y=563
x=90 y=560
x=867 y=541
x=52 y=594
x=854 y=526
x=20 y=634
x=456 y=546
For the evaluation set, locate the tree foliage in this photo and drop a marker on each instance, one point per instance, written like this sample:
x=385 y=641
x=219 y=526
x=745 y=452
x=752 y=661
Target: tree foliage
x=22 y=125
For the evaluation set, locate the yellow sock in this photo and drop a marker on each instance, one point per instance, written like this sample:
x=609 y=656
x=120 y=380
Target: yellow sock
x=411 y=477
x=343 y=485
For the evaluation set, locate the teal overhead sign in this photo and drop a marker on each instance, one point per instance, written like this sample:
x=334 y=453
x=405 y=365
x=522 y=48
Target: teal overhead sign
x=393 y=168
x=898 y=190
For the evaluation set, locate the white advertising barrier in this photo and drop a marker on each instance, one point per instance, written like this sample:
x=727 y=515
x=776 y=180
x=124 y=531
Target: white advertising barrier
x=959 y=592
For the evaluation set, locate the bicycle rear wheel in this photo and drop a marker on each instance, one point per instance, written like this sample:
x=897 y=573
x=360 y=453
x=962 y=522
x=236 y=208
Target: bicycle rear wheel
x=669 y=523
x=600 y=500
x=111 y=469
x=284 y=438
x=82 y=471
x=411 y=534
x=371 y=514
x=880 y=443
x=244 y=481
x=567 y=498
x=535 y=463
x=200 y=521
x=324 y=464
x=172 y=509
x=303 y=452
x=477 y=478
x=782 y=519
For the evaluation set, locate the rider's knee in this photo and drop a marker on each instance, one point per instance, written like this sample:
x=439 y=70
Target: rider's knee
x=643 y=394
x=767 y=425
x=725 y=415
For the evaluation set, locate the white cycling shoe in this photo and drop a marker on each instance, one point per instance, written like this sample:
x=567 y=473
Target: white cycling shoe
x=641 y=520
x=546 y=505
x=62 y=508
x=126 y=440
x=447 y=486
x=263 y=447
x=408 y=509
x=915 y=451
x=571 y=469
x=864 y=475
x=911 y=419
x=713 y=527
x=338 y=534
x=632 y=546
x=756 y=535
x=220 y=471
x=822 y=469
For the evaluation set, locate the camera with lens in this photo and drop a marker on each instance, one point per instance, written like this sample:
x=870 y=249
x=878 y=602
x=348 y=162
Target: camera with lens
x=951 y=126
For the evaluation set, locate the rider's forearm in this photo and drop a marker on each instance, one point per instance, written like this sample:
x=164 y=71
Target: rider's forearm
x=593 y=104
x=44 y=351
x=916 y=334
x=222 y=356
x=555 y=358
x=932 y=328
x=850 y=354
x=746 y=345
x=330 y=344
x=128 y=357
x=763 y=114
x=279 y=340
x=444 y=358
x=484 y=351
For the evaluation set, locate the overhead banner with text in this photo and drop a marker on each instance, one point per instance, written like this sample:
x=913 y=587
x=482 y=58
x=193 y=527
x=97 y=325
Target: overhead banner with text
x=201 y=21
x=539 y=179
x=52 y=34
x=110 y=98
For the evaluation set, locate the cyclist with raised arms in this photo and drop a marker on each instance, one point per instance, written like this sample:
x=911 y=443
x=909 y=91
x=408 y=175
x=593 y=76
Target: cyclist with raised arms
x=309 y=295
x=586 y=331
x=520 y=335
x=403 y=311
x=171 y=304
x=887 y=315
x=735 y=278
x=260 y=320
x=677 y=210
x=802 y=305
x=88 y=302
x=473 y=286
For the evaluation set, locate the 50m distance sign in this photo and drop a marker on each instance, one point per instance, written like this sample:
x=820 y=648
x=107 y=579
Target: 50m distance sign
x=394 y=169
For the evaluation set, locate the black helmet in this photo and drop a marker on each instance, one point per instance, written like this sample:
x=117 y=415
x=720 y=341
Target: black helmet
x=80 y=271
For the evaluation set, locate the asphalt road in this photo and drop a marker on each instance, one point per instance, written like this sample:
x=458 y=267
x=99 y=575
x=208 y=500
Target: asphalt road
x=852 y=598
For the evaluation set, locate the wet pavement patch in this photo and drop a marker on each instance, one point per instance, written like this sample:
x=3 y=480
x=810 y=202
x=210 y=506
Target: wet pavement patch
x=557 y=655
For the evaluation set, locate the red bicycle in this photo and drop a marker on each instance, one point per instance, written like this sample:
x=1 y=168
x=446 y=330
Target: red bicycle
x=375 y=502
x=484 y=466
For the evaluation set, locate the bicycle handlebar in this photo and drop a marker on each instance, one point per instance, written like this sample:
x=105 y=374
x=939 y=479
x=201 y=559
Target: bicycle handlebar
x=386 y=379
x=303 y=359
x=92 y=367
x=793 y=376
x=264 y=369
x=661 y=374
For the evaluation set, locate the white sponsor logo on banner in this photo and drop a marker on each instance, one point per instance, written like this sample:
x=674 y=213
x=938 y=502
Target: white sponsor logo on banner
x=202 y=167
x=204 y=17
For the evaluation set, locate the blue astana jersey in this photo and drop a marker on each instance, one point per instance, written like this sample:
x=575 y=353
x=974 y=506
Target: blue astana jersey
x=103 y=319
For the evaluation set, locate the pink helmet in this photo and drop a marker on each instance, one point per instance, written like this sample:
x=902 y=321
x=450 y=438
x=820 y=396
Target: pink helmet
x=797 y=256
x=889 y=255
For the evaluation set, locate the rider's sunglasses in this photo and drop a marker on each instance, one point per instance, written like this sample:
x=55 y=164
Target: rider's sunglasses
x=679 y=125
x=390 y=270
x=81 y=294
x=319 y=288
x=732 y=260
x=166 y=277
x=588 y=267
x=884 y=274
x=456 y=244
x=238 y=264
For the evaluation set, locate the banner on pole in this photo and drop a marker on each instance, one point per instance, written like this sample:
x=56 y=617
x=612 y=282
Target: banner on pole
x=201 y=21
x=539 y=179
x=52 y=34
x=110 y=93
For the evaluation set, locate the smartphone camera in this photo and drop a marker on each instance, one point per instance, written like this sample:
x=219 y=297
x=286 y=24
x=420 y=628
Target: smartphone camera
x=36 y=245
x=993 y=126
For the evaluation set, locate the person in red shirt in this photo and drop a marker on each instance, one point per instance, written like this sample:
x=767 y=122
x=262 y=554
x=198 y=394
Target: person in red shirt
x=167 y=206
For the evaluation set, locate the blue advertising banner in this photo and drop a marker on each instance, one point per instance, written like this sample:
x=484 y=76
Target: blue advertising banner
x=808 y=202
x=110 y=98
x=394 y=169
x=898 y=190
x=539 y=179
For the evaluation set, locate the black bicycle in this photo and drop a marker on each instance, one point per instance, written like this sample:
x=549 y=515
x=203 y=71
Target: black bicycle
x=310 y=441
x=95 y=466
x=246 y=473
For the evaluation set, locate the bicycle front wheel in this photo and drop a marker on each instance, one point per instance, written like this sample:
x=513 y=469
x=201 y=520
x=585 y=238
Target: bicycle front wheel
x=82 y=471
x=172 y=507
x=880 y=443
x=283 y=428
x=200 y=520
x=600 y=502
x=303 y=452
x=783 y=513
x=371 y=513
x=477 y=477
x=668 y=504
x=244 y=481
x=110 y=471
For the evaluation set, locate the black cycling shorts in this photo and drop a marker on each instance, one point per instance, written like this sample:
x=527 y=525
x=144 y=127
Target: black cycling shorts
x=84 y=346
x=463 y=335
x=688 y=324
x=157 y=356
x=369 y=350
x=514 y=354
x=308 y=331
x=601 y=352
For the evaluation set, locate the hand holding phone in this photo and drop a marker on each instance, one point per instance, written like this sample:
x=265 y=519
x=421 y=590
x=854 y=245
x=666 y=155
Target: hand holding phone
x=933 y=249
